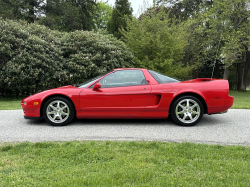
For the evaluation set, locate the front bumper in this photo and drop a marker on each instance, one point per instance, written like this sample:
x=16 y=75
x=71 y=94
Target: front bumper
x=29 y=110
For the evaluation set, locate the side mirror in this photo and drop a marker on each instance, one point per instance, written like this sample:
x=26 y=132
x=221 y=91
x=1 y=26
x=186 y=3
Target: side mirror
x=97 y=86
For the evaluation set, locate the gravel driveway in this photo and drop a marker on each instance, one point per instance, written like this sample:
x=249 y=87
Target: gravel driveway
x=232 y=128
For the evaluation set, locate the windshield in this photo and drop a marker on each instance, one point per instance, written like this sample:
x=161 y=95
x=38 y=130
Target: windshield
x=162 y=78
x=90 y=81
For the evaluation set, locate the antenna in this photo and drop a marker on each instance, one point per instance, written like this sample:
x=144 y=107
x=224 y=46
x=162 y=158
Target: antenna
x=216 y=56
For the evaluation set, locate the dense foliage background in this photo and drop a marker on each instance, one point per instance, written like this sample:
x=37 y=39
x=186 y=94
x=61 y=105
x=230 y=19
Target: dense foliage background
x=35 y=58
x=156 y=45
x=184 y=39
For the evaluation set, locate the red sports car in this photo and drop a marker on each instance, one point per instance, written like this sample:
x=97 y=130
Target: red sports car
x=131 y=93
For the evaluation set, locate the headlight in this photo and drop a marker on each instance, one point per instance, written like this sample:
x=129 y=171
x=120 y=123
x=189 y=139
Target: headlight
x=24 y=103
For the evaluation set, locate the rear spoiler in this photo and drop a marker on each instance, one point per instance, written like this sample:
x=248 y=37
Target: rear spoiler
x=203 y=80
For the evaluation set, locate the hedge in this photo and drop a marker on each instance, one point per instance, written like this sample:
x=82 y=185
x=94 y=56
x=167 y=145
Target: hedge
x=34 y=58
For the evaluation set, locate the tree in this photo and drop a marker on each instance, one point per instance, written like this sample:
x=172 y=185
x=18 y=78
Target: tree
x=103 y=14
x=236 y=36
x=63 y=15
x=186 y=12
x=228 y=22
x=218 y=31
x=117 y=21
x=86 y=11
x=28 y=10
x=69 y=15
x=157 y=44
x=183 y=9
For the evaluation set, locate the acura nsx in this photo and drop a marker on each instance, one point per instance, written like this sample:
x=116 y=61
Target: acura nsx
x=131 y=93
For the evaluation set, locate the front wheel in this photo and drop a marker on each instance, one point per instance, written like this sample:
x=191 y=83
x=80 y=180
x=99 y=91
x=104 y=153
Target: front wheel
x=58 y=111
x=187 y=111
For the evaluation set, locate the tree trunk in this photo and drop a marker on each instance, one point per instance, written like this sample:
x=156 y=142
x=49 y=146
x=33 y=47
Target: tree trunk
x=32 y=16
x=217 y=70
x=48 y=7
x=239 y=75
x=245 y=70
x=195 y=73
x=226 y=72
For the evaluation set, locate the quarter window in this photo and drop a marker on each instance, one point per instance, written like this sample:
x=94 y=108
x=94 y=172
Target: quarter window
x=161 y=78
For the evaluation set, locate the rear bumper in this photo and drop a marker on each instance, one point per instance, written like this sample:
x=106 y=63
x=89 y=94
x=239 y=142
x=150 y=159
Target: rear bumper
x=223 y=109
x=216 y=110
x=229 y=101
x=223 y=112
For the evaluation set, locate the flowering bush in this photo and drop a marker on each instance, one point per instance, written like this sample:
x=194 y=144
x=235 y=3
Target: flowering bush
x=34 y=58
x=88 y=54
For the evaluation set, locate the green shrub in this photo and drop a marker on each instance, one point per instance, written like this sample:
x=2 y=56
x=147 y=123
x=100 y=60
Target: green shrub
x=35 y=58
x=28 y=62
x=88 y=54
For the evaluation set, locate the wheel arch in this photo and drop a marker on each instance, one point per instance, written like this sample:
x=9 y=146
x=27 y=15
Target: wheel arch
x=190 y=94
x=55 y=95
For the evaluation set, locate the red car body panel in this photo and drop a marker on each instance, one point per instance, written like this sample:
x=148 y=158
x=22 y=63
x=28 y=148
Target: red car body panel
x=143 y=101
x=120 y=101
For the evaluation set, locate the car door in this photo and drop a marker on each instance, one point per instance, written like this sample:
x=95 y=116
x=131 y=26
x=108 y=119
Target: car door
x=123 y=92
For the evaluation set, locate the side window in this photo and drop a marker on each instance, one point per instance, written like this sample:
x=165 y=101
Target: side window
x=123 y=78
x=161 y=78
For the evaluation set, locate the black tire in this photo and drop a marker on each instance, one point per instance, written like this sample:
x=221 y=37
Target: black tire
x=187 y=111
x=58 y=111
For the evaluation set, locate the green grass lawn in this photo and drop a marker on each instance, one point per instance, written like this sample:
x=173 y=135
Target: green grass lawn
x=10 y=103
x=241 y=99
x=105 y=163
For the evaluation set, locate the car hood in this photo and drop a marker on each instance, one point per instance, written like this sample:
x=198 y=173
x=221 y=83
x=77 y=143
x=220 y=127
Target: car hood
x=66 y=87
x=55 y=89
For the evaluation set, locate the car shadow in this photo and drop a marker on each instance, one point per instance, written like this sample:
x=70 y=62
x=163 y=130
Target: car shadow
x=37 y=122
x=122 y=122
x=80 y=122
x=207 y=120
x=211 y=120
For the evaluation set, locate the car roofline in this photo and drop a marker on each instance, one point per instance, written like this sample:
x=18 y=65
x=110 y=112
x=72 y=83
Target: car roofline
x=117 y=69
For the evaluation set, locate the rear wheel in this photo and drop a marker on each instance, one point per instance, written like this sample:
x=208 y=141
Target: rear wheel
x=58 y=111
x=187 y=111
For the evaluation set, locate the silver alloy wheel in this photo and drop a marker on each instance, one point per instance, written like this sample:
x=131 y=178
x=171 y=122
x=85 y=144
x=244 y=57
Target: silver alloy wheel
x=57 y=111
x=187 y=111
